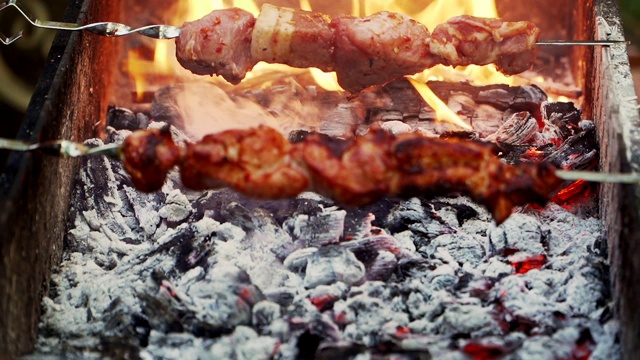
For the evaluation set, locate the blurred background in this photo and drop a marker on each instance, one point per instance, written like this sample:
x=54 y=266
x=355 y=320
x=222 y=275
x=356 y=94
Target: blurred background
x=631 y=18
x=22 y=62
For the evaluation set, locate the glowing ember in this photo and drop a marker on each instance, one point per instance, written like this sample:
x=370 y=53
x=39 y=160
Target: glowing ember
x=576 y=191
x=533 y=154
x=483 y=352
x=530 y=263
x=402 y=331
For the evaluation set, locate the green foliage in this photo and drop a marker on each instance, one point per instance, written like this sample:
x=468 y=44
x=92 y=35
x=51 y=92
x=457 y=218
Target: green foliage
x=630 y=12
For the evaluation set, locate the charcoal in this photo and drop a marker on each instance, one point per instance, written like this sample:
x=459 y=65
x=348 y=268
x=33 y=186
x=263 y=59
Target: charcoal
x=318 y=230
x=550 y=134
x=364 y=316
x=297 y=261
x=380 y=267
x=404 y=215
x=193 y=251
x=324 y=296
x=458 y=248
x=386 y=350
x=579 y=144
x=564 y=115
x=102 y=211
x=322 y=326
x=443 y=277
x=412 y=268
x=212 y=203
x=582 y=161
x=560 y=345
x=396 y=127
x=176 y=209
x=281 y=296
x=160 y=314
x=411 y=215
x=263 y=314
x=474 y=320
x=520 y=129
x=518 y=233
x=490 y=347
x=587 y=125
x=358 y=224
x=218 y=274
x=244 y=343
x=125 y=119
x=375 y=243
x=524 y=98
x=331 y=264
x=584 y=292
x=164 y=108
x=145 y=209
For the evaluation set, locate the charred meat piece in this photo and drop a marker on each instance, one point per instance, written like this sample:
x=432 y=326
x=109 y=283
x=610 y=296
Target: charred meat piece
x=436 y=166
x=147 y=155
x=364 y=52
x=260 y=162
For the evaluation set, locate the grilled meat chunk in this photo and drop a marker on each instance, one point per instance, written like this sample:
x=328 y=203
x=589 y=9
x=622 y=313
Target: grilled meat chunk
x=364 y=52
x=260 y=162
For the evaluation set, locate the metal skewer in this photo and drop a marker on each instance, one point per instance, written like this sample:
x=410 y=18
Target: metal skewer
x=582 y=42
x=66 y=148
x=63 y=148
x=592 y=176
x=110 y=29
x=114 y=29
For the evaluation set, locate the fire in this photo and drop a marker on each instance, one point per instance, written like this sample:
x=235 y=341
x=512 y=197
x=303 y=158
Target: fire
x=146 y=71
x=440 y=11
x=163 y=62
x=443 y=112
x=437 y=12
x=196 y=9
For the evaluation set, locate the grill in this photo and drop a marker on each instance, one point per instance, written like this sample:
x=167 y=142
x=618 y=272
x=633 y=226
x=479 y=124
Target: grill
x=76 y=89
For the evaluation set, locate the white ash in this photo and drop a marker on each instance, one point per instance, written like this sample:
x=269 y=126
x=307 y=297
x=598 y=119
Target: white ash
x=178 y=274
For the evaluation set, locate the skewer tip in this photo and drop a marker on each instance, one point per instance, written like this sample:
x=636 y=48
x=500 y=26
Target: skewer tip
x=592 y=176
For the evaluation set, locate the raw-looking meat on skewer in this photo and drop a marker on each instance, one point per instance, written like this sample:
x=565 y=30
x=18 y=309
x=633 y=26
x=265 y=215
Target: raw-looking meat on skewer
x=363 y=52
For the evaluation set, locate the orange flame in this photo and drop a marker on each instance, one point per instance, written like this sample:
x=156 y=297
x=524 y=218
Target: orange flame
x=145 y=72
x=443 y=112
x=164 y=64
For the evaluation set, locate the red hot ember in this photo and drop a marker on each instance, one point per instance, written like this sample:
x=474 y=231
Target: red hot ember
x=530 y=263
x=366 y=51
x=421 y=276
x=261 y=163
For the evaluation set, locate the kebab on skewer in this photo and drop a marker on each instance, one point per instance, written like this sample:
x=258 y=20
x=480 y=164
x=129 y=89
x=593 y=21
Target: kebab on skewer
x=363 y=52
x=260 y=162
